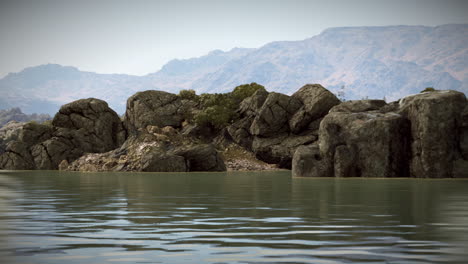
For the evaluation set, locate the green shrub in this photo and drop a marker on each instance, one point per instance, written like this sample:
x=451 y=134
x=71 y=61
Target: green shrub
x=428 y=89
x=188 y=94
x=219 y=110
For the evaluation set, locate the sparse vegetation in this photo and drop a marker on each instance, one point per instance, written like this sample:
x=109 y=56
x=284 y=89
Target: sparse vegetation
x=428 y=89
x=219 y=109
x=189 y=95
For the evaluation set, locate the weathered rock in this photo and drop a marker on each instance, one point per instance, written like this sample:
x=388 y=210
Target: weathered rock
x=163 y=162
x=19 y=139
x=435 y=119
x=49 y=154
x=33 y=133
x=367 y=144
x=203 y=157
x=99 y=126
x=460 y=168
x=9 y=132
x=280 y=149
x=344 y=162
x=307 y=162
x=356 y=106
x=316 y=101
x=249 y=108
x=274 y=115
x=16 y=157
x=63 y=165
x=156 y=108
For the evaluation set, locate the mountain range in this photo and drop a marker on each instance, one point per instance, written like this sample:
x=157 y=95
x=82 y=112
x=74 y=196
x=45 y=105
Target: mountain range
x=359 y=62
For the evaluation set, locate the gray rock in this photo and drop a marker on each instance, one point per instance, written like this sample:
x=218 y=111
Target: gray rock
x=464 y=133
x=280 y=149
x=155 y=108
x=16 y=157
x=9 y=132
x=369 y=144
x=316 y=101
x=249 y=108
x=274 y=115
x=307 y=162
x=358 y=106
x=435 y=119
x=49 y=154
x=460 y=168
x=163 y=162
x=344 y=162
x=203 y=157
x=100 y=127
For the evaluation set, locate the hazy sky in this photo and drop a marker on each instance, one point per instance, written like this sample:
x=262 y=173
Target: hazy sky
x=138 y=37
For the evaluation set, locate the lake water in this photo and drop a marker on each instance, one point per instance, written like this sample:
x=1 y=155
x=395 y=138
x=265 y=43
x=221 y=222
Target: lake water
x=235 y=217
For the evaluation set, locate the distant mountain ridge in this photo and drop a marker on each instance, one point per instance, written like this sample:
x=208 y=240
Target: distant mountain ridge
x=374 y=62
x=15 y=114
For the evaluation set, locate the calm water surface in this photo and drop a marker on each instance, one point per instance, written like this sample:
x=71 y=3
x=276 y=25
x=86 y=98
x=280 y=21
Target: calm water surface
x=269 y=217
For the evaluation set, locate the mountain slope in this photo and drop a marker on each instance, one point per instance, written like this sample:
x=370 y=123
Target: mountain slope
x=377 y=62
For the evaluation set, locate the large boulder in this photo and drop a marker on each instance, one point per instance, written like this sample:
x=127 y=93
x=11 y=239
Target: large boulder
x=369 y=144
x=274 y=115
x=316 y=102
x=156 y=108
x=100 y=127
x=435 y=123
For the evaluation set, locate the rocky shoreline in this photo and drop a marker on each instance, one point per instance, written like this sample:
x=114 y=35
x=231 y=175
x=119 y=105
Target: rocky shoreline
x=311 y=132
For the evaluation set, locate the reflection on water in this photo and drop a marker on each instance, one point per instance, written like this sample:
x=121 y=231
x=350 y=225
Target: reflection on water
x=57 y=217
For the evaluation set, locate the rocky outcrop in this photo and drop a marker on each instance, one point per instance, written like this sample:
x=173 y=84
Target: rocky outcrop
x=274 y=115
x=421 y=136
x=156 y=108
x=436 y=122
x=249 y=108
x=9 y=132
x=316 y=102
x=86 y=125
x=273 y=125
x=157 y=150
x=367 y=144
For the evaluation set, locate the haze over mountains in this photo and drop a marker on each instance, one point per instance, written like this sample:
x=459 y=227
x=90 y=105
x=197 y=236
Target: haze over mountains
x=374 y=62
